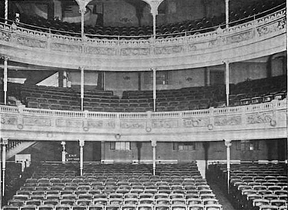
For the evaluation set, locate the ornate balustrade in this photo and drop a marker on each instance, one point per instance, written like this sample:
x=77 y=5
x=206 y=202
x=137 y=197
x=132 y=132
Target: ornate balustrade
x=260 y=37
x=260 y=121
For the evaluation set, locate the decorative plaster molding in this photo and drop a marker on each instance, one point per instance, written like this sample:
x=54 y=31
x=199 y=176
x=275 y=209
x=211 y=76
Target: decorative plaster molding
x=244 y=122
x=267 y=34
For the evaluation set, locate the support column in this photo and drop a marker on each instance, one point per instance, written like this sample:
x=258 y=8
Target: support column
x=6 y=11
x=154 y=25
x=81 y=144
x=227 y=81
x=4 y=146
x=154 y=89
x=228 y=145
x=227 y=12
x=154 y=4
x=154 y=144
x=82 y=88
x=63 y=143
x=82 y=9
x=5 y=79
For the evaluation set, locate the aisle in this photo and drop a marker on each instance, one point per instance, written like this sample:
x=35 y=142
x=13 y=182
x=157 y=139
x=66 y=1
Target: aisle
x=221 y=197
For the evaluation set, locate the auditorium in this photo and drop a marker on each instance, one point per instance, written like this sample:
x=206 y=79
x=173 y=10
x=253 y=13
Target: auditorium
x=143 y=105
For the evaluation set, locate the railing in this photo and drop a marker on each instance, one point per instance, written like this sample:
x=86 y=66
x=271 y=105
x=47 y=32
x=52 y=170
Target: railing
x=52 y=123
x=217 y=35
x=185 y=33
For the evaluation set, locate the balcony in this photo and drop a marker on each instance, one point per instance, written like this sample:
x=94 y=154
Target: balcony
x=259 y=121
x=259 y=37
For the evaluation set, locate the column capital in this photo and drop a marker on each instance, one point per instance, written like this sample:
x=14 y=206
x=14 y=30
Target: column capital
x=5 y=58
x=153 y=143
x=227 y=142
x=154 y=4
x=4 y=141
x=63 y=143
x=82 y=5
x=81 y=142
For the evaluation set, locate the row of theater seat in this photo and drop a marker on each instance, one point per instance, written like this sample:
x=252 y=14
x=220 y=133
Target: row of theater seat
x=191 y=98
x=82 y=196
x=189 y=27
x=253 y=186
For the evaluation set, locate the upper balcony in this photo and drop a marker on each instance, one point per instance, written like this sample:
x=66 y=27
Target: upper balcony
x=260 y=37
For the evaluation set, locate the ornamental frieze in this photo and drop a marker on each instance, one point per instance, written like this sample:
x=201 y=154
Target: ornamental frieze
x=99 y=124
x=5 y=36
x=134 y=51
x=259 y=118
x=196 y=122
x=101 y=50
x=30 y=42
x=9 y=120
x=69 y=123
x=165 y=123
x=37 y=121
x=132 y=124
x=169 y=50
x=227 y=120
x=240 y=37
x=270 y=28
x=65 y=47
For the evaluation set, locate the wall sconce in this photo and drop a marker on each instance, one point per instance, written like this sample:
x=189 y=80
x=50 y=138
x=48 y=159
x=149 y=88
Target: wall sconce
x=117 y=136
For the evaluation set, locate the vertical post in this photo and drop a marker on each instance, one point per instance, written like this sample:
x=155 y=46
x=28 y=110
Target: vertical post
x=4 y=144
x=227 y=81
x=81 y=144
x=5 y=79
x=63 y=143
x=228 y=144
x=82 y=88
x=154 y=25
x=154 y=10
x=154 y=89
x=227 y=12
x=6 y=11
x=154 y=144
x=1 y=196
x=82 y=11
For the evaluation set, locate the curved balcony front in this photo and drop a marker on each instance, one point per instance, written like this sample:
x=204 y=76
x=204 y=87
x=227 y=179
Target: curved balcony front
x=259 y=121
x=260 y=37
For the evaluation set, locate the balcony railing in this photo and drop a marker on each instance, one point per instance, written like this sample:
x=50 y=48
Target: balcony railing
x=265 y=120
x=182 y=42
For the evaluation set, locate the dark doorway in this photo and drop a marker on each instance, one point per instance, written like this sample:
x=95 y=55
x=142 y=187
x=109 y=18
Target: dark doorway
x=97 y=151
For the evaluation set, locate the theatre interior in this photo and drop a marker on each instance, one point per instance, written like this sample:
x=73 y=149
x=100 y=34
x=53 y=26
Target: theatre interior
x=143 y=105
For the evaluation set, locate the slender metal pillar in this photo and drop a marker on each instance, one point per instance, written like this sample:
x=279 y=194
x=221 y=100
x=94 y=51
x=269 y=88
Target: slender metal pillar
x=154 y=25
x=154 y=89
x=154 y=11
x=154 y=144
x=63 y=143
x=227 y=81
x=82 y=88
x=81 y=144
x=1 y=178
x=82 y=11
x=6 y=11
x=4 y=146
x=228 y=145
x=5 y=79
x=227 y=12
